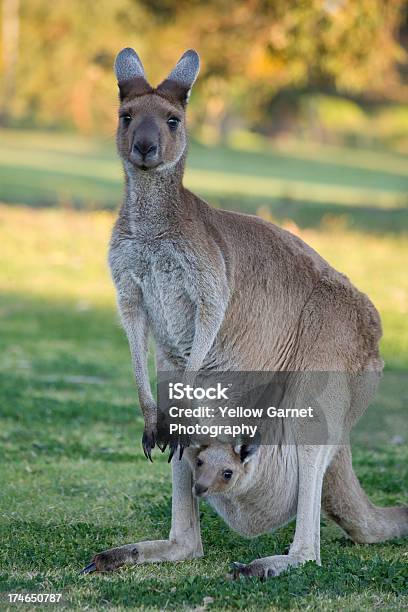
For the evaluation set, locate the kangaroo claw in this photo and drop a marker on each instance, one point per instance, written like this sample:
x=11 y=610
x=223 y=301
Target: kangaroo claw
x=91 y=567
x=148 y=444
x=162 y=446
x=173 y=448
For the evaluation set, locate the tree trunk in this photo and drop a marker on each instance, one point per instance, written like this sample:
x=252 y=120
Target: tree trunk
x=10 y=36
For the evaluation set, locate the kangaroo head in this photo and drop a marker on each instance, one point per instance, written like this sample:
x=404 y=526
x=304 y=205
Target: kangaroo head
x=151 y=134
x=220 y=468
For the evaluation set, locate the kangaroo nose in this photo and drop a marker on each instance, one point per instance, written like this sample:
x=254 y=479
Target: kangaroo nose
x=200 y=489
x=145 y=148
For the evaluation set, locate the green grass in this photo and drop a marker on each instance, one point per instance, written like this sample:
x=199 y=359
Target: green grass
x=72 y=475
x=73 y=478
x=301 y=181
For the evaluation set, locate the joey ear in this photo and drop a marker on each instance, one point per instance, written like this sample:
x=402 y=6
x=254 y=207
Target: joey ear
x=130 y=73
x=181 y=79
x=246 y=451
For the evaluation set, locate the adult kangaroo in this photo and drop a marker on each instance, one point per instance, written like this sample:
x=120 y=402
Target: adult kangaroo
x=225 y=291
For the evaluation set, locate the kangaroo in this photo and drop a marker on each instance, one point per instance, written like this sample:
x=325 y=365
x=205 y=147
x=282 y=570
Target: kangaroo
x=222 y=291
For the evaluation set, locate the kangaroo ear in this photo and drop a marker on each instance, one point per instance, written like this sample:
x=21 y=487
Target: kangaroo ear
x=181 y=79
x=130 y=74
x=246 y=451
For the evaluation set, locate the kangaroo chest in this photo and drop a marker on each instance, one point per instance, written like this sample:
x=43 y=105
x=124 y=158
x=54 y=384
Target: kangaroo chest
x=168 y=295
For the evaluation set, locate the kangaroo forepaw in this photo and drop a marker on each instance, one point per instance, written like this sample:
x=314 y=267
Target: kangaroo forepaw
x=149 y=441
x=180 y=445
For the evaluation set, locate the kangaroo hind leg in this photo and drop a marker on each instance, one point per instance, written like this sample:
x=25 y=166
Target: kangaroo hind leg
x=184 y=541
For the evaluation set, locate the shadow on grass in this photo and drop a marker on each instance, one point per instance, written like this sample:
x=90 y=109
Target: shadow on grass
x=369 y=219
x=54 y=449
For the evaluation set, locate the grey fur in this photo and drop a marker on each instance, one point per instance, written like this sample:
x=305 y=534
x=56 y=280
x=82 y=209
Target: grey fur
x=186 y=69
x=227 y=291
x=128 y=65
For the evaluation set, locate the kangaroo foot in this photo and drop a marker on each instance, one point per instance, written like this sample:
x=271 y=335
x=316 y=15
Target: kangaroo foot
x=112 y=559
x=144 y=552
x=266 y=567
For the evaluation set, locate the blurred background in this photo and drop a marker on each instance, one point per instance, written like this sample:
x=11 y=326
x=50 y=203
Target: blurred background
x=301 y=108
x=299 y=115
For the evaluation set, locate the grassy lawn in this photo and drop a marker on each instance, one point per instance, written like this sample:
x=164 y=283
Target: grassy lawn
x=301 y=181
x=72 y=475
x=73 y=478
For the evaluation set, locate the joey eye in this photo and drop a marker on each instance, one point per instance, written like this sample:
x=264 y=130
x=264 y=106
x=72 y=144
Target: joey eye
x=126 y=119
x=199 y=463
x=227 y=474
x=173 y=122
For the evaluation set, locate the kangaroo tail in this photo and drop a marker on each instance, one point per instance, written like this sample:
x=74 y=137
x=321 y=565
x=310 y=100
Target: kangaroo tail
x=345 y=502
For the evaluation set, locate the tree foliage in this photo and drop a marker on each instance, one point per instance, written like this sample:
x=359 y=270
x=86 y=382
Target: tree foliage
x=251 y=50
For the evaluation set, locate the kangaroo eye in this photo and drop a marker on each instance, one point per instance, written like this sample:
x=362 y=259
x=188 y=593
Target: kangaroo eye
x=126 y=119
x=173 y=122
x=199 y=463
x=227 y=474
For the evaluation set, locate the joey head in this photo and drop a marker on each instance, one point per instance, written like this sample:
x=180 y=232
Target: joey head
x=221 y=469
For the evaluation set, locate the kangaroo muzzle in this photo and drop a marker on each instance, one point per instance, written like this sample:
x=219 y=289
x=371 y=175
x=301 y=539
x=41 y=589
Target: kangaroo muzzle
x=145 y=145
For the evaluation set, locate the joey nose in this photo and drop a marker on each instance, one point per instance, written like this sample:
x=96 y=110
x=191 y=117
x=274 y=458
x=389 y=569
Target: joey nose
x=145 y=148
x=200 y=489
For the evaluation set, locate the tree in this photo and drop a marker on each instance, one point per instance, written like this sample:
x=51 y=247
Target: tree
x=251 y=51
